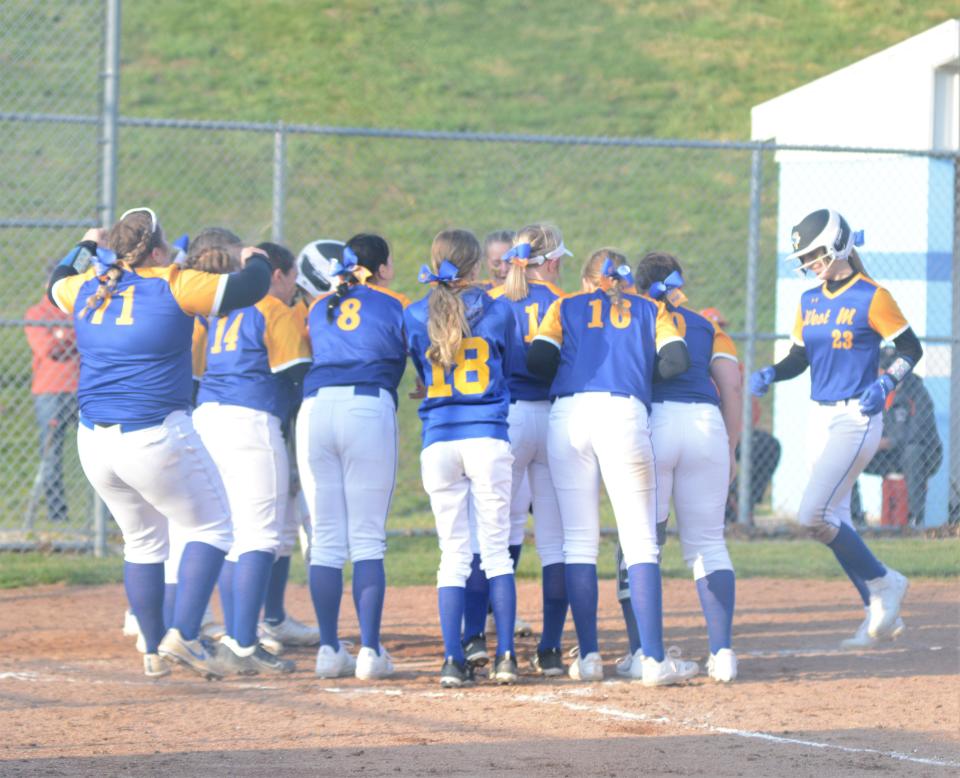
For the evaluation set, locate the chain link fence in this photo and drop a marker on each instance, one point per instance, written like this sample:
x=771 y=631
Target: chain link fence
x=724 y=209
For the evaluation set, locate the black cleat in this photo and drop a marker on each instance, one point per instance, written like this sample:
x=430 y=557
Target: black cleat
x=475 y=650
x=548 y=662
x=505 y=668
x=455 y=674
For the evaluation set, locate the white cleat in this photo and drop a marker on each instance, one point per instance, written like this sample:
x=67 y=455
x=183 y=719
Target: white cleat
x=290 y=632
x=886 y=596
x=722 y=666
x=154 y=666
x=861 y=638
x=672 y=670
x=627 y=661
x=335 y=664
x=371 y=665
x=587 y=668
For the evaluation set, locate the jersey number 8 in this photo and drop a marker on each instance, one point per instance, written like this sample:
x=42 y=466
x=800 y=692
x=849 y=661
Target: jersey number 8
x=462 y=369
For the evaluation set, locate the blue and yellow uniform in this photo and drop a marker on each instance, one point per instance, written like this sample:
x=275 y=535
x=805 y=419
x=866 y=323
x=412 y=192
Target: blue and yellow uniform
x=364 y=345
x=705 y=342
x=472 y=399
x=136 y=363
x=841 y=332
x=606 y=349
x=529 y=312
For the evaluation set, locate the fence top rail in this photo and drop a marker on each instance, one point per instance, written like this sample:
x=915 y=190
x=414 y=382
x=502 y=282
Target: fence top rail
x=476 y=137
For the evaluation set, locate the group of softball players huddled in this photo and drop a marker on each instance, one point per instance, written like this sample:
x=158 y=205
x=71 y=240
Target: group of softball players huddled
x=230 y=393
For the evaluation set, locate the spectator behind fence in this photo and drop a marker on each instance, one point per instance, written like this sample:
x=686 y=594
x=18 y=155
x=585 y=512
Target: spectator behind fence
x=55 y=368
x=910 y=444
x=764 y=451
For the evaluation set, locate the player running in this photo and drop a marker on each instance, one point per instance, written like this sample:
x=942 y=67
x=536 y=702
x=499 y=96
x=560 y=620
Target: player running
x=839 y=327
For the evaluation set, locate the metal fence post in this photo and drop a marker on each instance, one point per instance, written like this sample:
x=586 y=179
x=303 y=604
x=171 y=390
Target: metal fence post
x=279 y=182
x=744 y=486
x=108 y=187
x=953 y=498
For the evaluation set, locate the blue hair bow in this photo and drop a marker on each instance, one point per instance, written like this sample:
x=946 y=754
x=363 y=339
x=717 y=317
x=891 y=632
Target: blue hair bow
x=182 y=243
x=446 y=273
x=520 y=251
x=104 y=260
x=346 y=265
x=858 y=238
x=616 y=272
x=659 y=288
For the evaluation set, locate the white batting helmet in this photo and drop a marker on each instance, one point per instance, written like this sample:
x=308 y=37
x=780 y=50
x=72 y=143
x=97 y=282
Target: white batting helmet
x=314 y=264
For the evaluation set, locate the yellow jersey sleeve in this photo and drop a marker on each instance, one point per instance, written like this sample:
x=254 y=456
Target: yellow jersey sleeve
x=723 y=345
x=65 y=291
x=551 y=328
x=666 y=328
x=199 y=349
x=196 y=292
x=797 y=335
x=884 y=315
x=284 y=335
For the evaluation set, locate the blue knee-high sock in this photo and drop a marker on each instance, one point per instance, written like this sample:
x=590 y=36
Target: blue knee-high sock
x=476 y=598
x=225 y=585
x=503 y=598
x=273 y=611
x=450 y=602
x=326 y=590
x=582 y=593
x=633 y=632
x=855 y=579
x=554 y=606
x=515 y=555
x=717 y=592
x=169 y=601
x=249 y=588
x=199 y=569
x=144 y=585
x=853 y=553
x=646 y=597
x=369 y=588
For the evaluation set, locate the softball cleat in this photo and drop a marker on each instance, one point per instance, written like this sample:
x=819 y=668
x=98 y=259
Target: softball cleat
x=371 y=665
x=722 y=666
x=587 y=668
x=505 y=668
x=886 y=596
x=334 y=664
x=455 y=674
x=154 y=667
x=290 y=632
x=861 y=638
x=672 y=670
x=548 y=662
x=197 y=655
x=625 y=663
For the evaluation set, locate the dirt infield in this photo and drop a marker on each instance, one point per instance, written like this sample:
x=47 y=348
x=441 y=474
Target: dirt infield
x=73 y=701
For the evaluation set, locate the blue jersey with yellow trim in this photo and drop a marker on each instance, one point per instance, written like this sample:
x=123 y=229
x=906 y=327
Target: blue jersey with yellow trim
x=529 y=312
x=247 y=350
x=841 y=332
x=472 y=399
x=606 y=349
x=705 y=342
x=135 y=356
x=364 y=344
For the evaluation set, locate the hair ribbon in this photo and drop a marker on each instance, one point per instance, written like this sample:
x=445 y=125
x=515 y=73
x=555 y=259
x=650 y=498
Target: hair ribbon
x=617 y=272
x=669 y=287
x=103 y=260
x=446 y=273
x=519 y=255
x=858 y=238
x=347 y=264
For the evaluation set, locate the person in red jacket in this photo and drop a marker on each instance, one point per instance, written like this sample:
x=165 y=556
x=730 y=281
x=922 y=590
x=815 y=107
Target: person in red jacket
x=56 y=365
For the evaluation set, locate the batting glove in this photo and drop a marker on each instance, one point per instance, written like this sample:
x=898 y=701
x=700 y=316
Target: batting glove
x=874 y=398
x=760 y=381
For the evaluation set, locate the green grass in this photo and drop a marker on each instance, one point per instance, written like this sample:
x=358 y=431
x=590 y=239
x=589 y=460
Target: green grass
x=413 y=560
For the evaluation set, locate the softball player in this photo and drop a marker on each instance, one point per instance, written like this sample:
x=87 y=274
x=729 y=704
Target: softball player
x=695 y=427
x=133 y=315
x=839 y=327
x=602 y=348
x=529 y=287
x=462 y=343
x=495 y=245
x=347 y=447
x=254 y=355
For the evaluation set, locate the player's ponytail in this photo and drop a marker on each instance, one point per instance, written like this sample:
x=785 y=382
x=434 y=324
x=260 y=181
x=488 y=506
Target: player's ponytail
x=660 y=276
x=857 y=264
x=132 y=240
x=363 y=256
x=542 y=242
x=607 y=269
x=454 y=257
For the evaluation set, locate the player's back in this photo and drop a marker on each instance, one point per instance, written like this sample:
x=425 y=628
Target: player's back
x=704 y=340
x=363 y=343
x=528 y=312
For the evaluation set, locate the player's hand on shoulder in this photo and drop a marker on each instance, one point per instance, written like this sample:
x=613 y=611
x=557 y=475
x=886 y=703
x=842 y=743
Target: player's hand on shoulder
x=249 y=251
x=96 y=235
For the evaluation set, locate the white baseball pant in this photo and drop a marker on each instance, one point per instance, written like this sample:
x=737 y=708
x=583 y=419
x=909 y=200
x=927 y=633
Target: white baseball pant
x=347 y=455
x=529 y=422
x=518 y=519
x=840 y=443
x=248 y=449
x=148 y=475
x=593 y=435
x=474 y=472
x=693 y=466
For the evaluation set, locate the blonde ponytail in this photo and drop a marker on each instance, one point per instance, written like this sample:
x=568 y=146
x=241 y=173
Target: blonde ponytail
x=592 y=273
x=543 y=239
x=447 y=323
